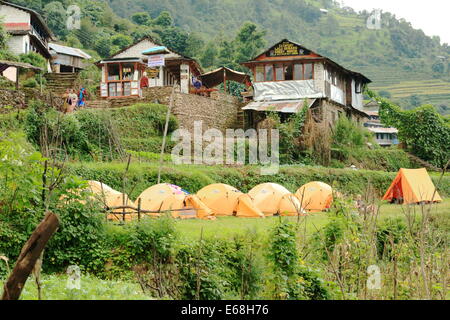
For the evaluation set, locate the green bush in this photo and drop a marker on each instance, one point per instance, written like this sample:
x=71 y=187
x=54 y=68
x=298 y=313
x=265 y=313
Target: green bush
x=347 y=133
x=390 y=232
x=30 y=83
x=291 y=280
x=100 y=134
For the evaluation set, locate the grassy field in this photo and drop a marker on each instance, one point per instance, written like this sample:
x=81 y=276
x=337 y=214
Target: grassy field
x=227 y=227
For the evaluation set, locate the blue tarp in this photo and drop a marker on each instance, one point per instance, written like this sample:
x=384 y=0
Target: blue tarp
x=156 y=50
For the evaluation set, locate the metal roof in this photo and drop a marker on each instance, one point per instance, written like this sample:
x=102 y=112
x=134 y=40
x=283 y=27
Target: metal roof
x=283 y=106
x=383 y=130
x=69 y=51
x=6 y=64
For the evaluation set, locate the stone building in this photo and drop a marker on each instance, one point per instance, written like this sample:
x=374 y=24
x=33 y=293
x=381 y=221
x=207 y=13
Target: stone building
x=288 y=75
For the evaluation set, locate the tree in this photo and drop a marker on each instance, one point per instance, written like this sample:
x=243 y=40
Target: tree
x=250 y=41
x=3 y=37
x=164 y=19
x=121 y=40
x=209 y=56
x=141 y=19
x=438 y=67
x=104 y=46
x=56 y=17
x=424 y=131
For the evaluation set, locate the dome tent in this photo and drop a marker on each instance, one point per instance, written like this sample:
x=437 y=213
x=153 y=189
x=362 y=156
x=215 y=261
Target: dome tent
x=220 y=198
x=315 y=196
x=167 y=197
x=111 y=198
x=225 y=200
x=272 y=198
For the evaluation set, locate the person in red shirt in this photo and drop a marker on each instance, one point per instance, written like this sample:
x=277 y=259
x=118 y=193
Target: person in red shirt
x=144 y=81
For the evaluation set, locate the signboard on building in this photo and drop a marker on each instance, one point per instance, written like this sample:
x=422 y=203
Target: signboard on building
x=156 y=60
x=152 y=72
x=287 y=48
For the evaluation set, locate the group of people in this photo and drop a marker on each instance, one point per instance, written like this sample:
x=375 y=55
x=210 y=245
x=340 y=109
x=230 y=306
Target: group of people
x=73 y=101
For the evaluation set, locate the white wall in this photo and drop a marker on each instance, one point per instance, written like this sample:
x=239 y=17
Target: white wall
x=14 y=15
x=357 y=98
x=17 y=44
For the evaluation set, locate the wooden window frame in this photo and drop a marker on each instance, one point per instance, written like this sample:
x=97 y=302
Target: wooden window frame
x=294 y=65
x=135 y=64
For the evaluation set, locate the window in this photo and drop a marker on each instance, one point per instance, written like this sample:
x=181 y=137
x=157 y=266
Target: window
x=279 y=72
x=269 y=72
x=113 y=72
x=298 y=71
x=127 y=71
x=288 y=72
x=358 y=87
x=127 y=88
x=308 y=75
x=259 y=73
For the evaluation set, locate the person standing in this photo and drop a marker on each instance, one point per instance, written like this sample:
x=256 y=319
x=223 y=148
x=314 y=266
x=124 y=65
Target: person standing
x=67 y=101
x=72 y=101
x=82 y=97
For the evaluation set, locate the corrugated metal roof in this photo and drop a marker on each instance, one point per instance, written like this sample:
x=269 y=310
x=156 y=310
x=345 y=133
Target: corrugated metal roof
x=383 y=130
x=69 y=51
x=284 y=106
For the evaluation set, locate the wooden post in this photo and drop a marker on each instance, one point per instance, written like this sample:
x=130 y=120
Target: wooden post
x=139 y=209
x=166 y=128
x=225 y=80
x=29 y=255
x=17 y=78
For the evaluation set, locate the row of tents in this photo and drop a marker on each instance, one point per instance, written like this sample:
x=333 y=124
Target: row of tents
x=267 y=199
x=215 y=200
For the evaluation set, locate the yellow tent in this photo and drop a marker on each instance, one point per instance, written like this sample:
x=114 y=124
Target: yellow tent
x=221 y=198
x=268 y=197
x=225 y=200
x=290 y=206
x=167 y=197
x=245 y=208
x=412 y=186
x=112 y=198
x=315 y=196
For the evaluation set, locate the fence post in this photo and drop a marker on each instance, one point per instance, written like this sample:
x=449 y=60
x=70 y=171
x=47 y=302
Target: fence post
x=139 y=209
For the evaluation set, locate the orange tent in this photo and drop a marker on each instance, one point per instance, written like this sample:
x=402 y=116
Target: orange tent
x=272 y=198
x=245 y=208
x=315 y=196
x=221 y=198
x=290 y=206
x=412 y=186
x=167 y=197
x=112 y=198
x=225 y=200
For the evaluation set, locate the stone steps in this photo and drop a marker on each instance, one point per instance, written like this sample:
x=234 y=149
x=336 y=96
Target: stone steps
x=58 y=83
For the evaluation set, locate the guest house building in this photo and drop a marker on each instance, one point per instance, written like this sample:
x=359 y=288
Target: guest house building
x=122 y=72
x=288 y=75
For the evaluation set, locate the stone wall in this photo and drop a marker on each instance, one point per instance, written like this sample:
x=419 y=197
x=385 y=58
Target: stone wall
x=11 y=99
x=22 y=98
x=220 y=111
